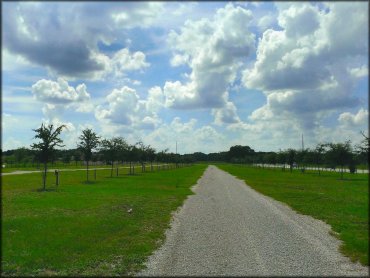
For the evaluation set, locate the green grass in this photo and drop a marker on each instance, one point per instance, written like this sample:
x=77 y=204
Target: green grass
x=343 y=204
x=86 y=229
x=59 y=165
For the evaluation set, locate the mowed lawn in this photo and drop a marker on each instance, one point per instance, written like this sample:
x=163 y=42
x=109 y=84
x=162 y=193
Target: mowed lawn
x=343 y=204
x=87 y=229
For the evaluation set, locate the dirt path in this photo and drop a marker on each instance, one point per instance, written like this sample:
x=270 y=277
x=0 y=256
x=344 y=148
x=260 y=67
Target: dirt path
x=227 y=228
x=91 y=169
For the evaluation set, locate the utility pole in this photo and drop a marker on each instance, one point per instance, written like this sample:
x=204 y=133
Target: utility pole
x=302 y=143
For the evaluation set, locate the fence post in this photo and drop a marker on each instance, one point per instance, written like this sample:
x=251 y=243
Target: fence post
x=56 y=177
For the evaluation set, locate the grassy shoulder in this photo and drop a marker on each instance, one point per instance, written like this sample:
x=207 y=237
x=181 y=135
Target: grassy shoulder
x=71 y=166
x=343 y=204
x=88 y=229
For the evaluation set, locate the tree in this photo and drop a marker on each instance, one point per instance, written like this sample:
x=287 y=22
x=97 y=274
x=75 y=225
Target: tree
x=112 y=149
x=88 y=142
x=340 y=154
x=318 y=155
x=46 y=148
x=291 y=156
x=301 y=157
x=150 y=154
x=281 y=158
x=363 y=148
x=141 y=154
x=238 y=152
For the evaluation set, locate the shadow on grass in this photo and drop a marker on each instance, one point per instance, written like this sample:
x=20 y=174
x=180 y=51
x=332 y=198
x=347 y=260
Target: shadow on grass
x=46 y=190
x=89 y=182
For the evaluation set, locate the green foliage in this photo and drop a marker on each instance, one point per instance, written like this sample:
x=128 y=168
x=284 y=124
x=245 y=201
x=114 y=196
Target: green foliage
x=340 y=154
x=343 y=204
x=239 y=152
x=88 y=142
x=45 y=149
x=113 y=149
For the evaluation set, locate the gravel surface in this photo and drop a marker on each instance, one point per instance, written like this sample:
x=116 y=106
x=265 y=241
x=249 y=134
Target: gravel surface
x=227 y=228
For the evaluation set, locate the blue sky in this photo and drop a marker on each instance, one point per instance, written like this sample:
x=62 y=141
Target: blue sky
x=207 y=74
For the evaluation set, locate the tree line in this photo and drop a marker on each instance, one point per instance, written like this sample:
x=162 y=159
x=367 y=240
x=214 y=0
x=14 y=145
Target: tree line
x=91 y=148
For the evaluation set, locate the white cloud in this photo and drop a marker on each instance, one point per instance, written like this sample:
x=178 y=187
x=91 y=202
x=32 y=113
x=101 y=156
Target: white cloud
x=266 y=21
x=142 y=14
x=59 y=92
x=359 y=72
x=59 y=96
x=123 y=105
x=124 y=61
x=189 y=137
x=155 y=100
x=65 y=38
x=226 y=114
x=348 y=119
x=217 y=50
x=125 y=108
x=303 y=68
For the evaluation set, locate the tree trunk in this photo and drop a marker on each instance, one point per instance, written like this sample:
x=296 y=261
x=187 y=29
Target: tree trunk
x=111 y=171
x=87 y=171
x=44 y=176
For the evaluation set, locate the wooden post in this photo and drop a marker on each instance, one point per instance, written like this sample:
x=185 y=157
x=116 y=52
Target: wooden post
x=56 y=177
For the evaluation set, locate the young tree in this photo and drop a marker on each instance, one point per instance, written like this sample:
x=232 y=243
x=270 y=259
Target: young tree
x=340 y=154
x=112 y=149
x=88 y=142
x=133 y=155
x=291 y=156
x=363 y=149
x=141 y=154
x=301 y=158
x=318 y=155
x=281 y=158
x=46 y=148
x=150 y=153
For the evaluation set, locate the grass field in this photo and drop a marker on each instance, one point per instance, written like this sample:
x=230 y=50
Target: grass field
x=343 y=204
x=86 y=229
x=58 y=165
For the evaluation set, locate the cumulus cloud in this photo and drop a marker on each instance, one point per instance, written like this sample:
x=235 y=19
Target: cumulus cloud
x=227 y=114
x=65 y=38
x=217 y=50
x=189 y=137
x=349 y=119
x=58 y=96
x=303 y=68
x=124 y=61
x=59 y=92
x=125 y=108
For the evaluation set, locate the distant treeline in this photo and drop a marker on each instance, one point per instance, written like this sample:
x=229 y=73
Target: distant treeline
x=328 y=155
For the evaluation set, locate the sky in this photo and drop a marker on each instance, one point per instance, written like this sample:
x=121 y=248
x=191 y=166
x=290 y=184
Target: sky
x=209 y=75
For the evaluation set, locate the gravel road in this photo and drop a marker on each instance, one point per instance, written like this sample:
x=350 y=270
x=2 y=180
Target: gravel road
x=227 y=228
